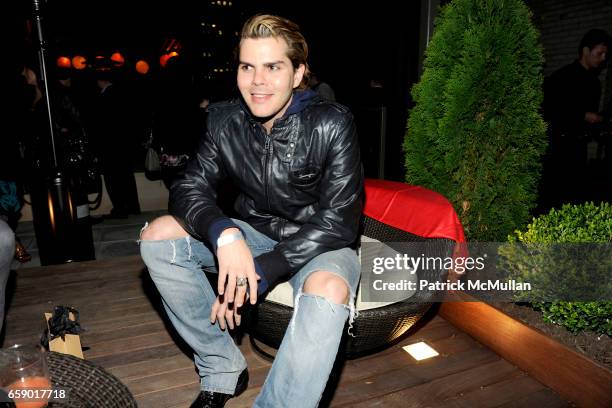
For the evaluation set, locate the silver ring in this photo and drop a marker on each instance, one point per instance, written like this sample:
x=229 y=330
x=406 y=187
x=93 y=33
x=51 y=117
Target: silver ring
x=241 y=281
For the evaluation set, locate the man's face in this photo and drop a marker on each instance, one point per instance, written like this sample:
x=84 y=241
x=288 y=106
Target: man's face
x=595 y=56
x=266 y=77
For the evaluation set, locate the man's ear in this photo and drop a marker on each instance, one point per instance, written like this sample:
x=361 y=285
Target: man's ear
x=298 y=75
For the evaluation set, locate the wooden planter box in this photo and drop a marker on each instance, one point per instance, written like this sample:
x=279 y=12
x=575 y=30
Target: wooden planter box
x=569 y=373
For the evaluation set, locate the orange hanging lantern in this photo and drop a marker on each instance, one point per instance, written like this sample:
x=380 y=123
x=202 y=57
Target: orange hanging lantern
x=117 y=59
x=79 y=62
x=142 y=67
x=163 y=60
x=63 y=62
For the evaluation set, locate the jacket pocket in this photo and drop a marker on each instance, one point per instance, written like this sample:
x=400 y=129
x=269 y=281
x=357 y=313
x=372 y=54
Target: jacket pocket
x=305 y=177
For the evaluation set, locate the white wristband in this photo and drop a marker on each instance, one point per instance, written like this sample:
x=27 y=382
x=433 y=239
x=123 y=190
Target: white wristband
x=229 y=238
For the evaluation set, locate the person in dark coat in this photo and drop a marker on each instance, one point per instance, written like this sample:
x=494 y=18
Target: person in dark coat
x=116 y=144
x=571 y=107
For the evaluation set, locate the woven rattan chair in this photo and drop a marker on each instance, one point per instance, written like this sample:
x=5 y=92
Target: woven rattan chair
x=88 y=385
x=391 y=210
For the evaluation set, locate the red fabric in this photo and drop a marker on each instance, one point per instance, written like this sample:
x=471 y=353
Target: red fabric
x=412 y=208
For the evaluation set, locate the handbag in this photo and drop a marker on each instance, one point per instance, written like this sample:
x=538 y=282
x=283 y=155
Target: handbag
x=152 y=161
x=152 y=165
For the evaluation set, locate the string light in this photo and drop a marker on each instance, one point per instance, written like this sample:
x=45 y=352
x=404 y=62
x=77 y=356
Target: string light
x=142 y=67
x=63 y=62
x=79 y=62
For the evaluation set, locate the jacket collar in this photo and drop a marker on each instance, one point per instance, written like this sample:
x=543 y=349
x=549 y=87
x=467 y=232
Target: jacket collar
x=301 y=99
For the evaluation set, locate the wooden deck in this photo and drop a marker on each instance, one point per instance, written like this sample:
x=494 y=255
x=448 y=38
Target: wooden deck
x=128 y=336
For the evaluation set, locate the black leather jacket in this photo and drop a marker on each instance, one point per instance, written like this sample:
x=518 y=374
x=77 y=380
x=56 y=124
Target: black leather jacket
x=301 y=185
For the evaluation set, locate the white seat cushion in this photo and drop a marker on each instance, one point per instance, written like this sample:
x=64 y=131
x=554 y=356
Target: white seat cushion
x=283 y=293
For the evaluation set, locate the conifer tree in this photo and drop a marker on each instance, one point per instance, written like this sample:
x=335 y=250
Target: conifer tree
x=476 y=134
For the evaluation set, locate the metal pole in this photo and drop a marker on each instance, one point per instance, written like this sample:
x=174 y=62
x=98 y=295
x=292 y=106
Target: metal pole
x=382 y=142
x=43 y=73
x=63 y=234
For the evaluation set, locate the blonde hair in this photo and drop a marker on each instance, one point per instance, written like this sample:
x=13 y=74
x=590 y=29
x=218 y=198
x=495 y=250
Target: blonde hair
x=267 y=25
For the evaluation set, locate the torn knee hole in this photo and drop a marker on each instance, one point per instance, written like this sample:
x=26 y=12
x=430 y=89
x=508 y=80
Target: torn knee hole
x=143 y=231
x=333 y=289
x=336 y=298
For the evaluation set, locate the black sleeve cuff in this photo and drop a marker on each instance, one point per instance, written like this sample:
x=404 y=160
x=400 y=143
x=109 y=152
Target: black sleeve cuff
x=273 y=266
x=262 y=285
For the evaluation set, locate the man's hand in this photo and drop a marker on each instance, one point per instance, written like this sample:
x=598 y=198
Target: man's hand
x=592 y=117
x=225 y=312
x=236 y=261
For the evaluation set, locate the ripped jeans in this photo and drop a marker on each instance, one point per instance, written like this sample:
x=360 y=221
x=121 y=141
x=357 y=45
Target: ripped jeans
x=306 y=356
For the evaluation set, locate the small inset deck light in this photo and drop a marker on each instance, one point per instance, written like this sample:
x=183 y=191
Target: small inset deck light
x=420 y=351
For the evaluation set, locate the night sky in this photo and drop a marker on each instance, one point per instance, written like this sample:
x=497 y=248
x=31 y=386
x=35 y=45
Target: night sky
x=92 y=25
x=350 y=40
x=351 y=43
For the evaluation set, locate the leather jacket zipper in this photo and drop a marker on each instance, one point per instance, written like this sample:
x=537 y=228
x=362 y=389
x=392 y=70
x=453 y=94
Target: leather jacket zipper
x=268 y=155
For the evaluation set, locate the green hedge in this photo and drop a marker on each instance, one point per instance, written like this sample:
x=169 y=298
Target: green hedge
x=475 y=134
x=572 y=224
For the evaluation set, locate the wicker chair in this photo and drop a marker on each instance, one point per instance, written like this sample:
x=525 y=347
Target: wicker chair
x=379 y=327
x=88 y=385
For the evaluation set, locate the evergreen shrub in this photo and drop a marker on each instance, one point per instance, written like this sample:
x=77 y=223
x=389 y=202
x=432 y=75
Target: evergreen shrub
x=475 y=134
x=568 y=269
